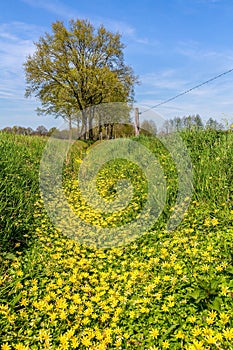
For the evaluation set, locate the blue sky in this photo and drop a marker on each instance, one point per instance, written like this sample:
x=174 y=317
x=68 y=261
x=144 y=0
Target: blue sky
x=172 y=45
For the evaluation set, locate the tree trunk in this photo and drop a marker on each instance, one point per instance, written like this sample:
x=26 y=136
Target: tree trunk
x=90 y=125
x=100 y=128
x=111 y=131
x=84 y=125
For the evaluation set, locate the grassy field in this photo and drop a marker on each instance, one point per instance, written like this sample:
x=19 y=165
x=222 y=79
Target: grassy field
x=165 y=290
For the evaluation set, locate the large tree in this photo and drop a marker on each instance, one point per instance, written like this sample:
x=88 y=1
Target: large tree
x=77 y=67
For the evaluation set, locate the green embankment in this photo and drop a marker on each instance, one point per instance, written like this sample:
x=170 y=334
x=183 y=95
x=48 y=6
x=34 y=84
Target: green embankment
x=164 y=290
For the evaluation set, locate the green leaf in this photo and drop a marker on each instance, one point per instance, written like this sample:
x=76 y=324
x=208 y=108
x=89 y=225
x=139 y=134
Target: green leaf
x=195 y=294
x=16 y=299
x=214 y=285
x=174 y=326
x=10 y=256
x=230 y=270
x=203 y=295
x=216 y=304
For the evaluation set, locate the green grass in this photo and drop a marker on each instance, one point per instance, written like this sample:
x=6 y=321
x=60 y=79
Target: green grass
x=19 y=169
x=211 y=154
x=164 y=290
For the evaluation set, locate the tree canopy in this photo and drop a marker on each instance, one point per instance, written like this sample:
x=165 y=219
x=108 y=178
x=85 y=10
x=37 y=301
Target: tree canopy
x=78 y=67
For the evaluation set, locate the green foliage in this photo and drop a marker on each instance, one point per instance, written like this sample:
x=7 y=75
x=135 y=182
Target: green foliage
x=211 y=154
x=78 y=67
x=148 y=127
x=19 y=188
x=166 y=290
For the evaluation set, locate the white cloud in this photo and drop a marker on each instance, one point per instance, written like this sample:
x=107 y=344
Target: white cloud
x=16 y=42
x=55 y=7
x=210 y=100
x=166 y=79
x=193 y=50
x=58 y=8
x=115 y=26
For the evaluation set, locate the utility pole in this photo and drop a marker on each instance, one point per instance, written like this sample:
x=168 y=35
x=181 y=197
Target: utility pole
x=136 y=124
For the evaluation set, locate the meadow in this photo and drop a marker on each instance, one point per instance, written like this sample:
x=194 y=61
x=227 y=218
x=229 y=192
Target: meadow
x=164 y=290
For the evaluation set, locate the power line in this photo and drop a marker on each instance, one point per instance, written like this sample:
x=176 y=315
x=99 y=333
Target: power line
x=187 y=91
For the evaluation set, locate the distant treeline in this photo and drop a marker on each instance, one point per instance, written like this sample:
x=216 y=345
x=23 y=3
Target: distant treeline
x=114 y=130
x=20 y=130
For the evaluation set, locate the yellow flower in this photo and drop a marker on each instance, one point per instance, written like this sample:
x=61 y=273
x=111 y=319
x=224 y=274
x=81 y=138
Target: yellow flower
x=88 y=311
x=158 y=295
x=225 y=290
x=196 y=331
x=165 y=344
x=98 y=335
x=63 y=338
x=154 y=333
x=207 y=331
x=19 y=285
x=198 y=345
x=210 y=339
x=224 y=318
x=218 y=336
x=132 y=314
x=20 y=347
x=74 y=342
x=72 y=309
x=165 y=308
x=167 y=278
x=61 y=303
x=228 y=333
x=53 y=316
x=5 y=347
x=43 y=335
x=180 y=335
x=212 y=314
x=171 y=304
x=144 y=310
x=149 y=288
x=101 y=346
x=86 y=320
x=104 y=317
x=24 y=302
x=19 y=273
x=86 y=341
x=205 y=268
x=207 y=222
x=11 y=318
x=118 y=343
x=76 y=298
x=62 y=315
x=219 y=268
x=214 y=221
x=209 y=320
x=171 y=298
